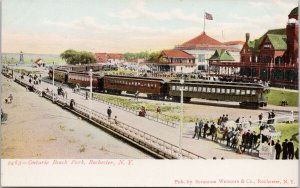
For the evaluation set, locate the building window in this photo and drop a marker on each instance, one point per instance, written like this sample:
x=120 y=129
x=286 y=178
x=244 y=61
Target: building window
x=267 y=46
x=201 y=58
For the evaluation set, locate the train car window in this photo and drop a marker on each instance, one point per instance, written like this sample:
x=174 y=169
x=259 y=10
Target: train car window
x=243 y=92
x=186 y=88
x=148 y=85
x=248 y=92
x=238 y=92
x=204 y=89
x=218 y=90
x=173 y=88
x=154 y=85
x=222 y=90
x=213 y=90
x=199 y=89
x=253 y=92
x=232 y=91
x=195 y=88
x=227 y=91
x=208 y=90
x=190 y=88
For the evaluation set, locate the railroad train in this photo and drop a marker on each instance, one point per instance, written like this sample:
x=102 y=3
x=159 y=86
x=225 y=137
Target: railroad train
x=249 y=95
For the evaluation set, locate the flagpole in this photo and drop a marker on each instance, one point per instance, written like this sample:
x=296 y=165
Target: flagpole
x=204 y=22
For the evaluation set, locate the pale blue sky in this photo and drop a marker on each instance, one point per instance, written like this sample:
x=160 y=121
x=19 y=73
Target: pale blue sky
x=51 y=26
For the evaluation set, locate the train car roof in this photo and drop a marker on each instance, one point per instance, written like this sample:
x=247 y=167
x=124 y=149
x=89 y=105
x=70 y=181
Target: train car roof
x=209 y=82
x=139 y=78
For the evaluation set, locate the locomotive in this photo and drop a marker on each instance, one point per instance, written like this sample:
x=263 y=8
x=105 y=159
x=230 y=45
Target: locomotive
x=251 y=95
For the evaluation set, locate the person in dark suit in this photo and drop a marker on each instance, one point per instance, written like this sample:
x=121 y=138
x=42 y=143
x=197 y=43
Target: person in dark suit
x=297 y=153
x=205 y=129
x=213 y=130
x=277 y=149
x=285 y=149
x=200 y=128
x=290 y=147
x=196 y=130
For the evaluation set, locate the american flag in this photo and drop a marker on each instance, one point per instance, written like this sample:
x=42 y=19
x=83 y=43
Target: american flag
x=208 y=16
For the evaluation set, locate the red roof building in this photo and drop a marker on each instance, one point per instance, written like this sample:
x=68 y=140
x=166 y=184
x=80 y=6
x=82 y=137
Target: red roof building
x=109 y=57
x=115 y=56
x=174 y=61
x=202 y=47
x=272 y=58
x=101 y=57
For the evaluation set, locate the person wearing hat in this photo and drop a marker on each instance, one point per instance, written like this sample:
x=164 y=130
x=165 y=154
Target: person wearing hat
x=239 y=142
x=285 y=149
x=290 y=147
x=109 y=112
x=205 y=129
x=277 y=149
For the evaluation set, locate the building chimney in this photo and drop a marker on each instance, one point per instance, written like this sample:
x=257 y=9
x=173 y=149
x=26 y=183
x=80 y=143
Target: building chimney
x=247 y=37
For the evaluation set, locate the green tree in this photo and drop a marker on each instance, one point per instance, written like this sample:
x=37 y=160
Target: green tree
x=154 y=57
x=136 y=55
x=73 y=57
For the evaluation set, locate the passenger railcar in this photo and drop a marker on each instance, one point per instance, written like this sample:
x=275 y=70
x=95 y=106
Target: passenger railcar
x=83 y=79
x=248 y=94
x=154 y=88
x=59 y=75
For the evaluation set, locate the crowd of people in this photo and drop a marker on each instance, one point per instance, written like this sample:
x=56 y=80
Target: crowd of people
x=62 y=92
x=242 y=139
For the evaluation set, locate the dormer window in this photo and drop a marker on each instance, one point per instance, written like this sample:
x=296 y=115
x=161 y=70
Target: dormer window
x=267 y=46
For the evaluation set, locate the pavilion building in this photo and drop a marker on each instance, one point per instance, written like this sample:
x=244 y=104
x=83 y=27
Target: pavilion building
x=202 y=47
x=272 y=58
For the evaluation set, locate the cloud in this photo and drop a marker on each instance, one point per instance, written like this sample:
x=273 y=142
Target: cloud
x=139 y=11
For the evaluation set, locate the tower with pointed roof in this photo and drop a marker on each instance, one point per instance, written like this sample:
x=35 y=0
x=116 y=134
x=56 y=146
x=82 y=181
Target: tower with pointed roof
x=272 y=58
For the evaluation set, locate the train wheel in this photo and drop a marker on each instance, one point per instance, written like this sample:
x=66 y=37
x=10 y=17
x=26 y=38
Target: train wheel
x=186 y=99
x=176 y=99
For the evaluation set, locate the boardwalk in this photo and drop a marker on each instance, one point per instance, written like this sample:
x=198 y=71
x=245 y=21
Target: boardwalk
x=202 y=147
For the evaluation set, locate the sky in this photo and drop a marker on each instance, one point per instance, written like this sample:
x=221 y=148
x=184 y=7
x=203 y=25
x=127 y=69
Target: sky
x=119 y=26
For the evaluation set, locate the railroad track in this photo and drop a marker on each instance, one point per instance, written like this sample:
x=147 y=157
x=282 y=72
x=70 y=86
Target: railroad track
x=142 y=140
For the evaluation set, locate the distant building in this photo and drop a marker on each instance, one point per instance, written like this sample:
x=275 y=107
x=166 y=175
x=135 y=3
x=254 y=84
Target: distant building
x=273 y=57
x=101 y=57
x=202 y=47
x=220 y=56
x=174 y=61
x=111 y=58
x=39 y=62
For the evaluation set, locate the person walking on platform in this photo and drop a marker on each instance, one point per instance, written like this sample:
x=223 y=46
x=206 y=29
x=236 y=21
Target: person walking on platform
x=260 y=117
x=205 y=129
x=109 y=112
x=116 y=121
x=196 y=130
x=86 y=95
x=200 y=128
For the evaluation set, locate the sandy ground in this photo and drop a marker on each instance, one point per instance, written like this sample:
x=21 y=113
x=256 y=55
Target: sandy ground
x=37 y=129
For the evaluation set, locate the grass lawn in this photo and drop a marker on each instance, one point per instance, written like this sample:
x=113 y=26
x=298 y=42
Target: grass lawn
x=276 y=96
x=288 y=130
x=169 y=112
x=26 y=71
